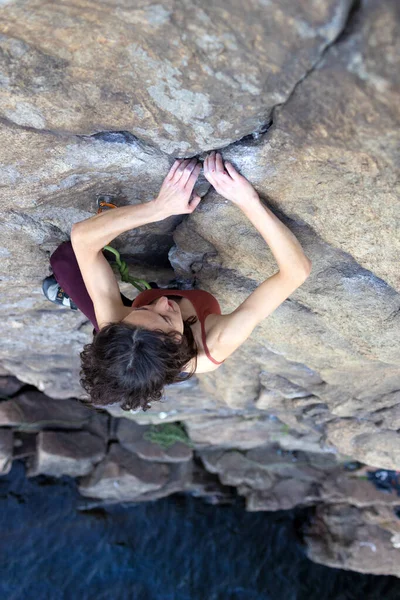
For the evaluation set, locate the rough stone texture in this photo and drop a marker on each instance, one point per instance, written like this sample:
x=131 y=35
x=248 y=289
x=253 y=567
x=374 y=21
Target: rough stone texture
x=304 y=99
x=331 y=178
x=366 y=442
x=67 y=453
x=133 y=437
x=346 y=537
x=123 y=476
x=24 y=445
x=356 y=526
x=6 y=450
x=183 y=77
x=9 y=385
x=33 y=411
x=249 y=432
x=272 y=478
x=269 y=478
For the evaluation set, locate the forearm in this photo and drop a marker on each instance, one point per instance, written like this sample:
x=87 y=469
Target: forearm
x=285 y=247
x=100 y=230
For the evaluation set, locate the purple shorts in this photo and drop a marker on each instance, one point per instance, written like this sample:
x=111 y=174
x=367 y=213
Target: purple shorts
x=67 y=273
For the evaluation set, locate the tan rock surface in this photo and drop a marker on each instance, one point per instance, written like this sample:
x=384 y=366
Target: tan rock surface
x=305 y=102
x=33 y=411
x=67 y=453
x=135 y=438
x=182 y=77
x=123 y=476
x=351 y=542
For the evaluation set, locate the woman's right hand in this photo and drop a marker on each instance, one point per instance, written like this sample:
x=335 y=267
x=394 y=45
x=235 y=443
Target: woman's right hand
x=228 y=182
x=176 y=195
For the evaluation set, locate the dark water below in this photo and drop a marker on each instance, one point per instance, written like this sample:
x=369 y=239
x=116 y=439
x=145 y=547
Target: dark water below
x=174 y=549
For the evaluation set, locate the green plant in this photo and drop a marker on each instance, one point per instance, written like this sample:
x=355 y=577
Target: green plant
x=167 y=434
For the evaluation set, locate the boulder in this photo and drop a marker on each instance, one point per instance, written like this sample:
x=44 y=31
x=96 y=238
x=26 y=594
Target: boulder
x=284 y=495
x=72 y=453
x=33 y=411
x=366 y=442
x=123 y=476
x=346 y=537
x=233 y=432
x=234 y=469
x=134 y=438
x=9 y=385
x=271 y=478
x=250 y=431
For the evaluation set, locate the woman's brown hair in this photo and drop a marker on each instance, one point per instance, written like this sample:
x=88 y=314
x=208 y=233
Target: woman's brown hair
x=130 y=365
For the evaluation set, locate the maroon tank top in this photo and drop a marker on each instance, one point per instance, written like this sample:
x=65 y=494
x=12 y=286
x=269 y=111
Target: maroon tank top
x=204 y=304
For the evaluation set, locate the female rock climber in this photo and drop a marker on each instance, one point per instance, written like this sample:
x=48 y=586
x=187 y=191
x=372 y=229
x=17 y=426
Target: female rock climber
x=165 y=335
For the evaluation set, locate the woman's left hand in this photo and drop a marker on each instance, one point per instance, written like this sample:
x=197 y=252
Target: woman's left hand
x=176 y=191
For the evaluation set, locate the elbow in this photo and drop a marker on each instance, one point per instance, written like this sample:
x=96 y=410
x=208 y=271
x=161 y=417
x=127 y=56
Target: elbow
x=304 y=270
x=76 y=234
x=81 y=240
x=297 y=274
x=74 y=230
x=308 y=267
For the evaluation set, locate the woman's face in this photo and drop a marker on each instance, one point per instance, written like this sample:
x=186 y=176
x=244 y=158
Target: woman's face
x=160 y=314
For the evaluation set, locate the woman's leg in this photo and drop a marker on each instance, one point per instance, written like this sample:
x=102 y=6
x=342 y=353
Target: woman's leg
x=67 y=273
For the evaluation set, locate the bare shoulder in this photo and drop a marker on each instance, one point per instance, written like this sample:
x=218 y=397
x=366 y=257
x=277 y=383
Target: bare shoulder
x=204 y=365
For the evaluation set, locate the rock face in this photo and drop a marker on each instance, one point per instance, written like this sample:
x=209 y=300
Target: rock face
x=137 y=439
x=69 y=453
x=356 y=508
x=122 y=476
x=184 y=78
x=304 y=100
x=33 y=411
x=363 y=540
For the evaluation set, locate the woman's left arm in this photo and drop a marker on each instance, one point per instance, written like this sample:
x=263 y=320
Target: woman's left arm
x=89 y=237
x=174 y=199
x=100 y=230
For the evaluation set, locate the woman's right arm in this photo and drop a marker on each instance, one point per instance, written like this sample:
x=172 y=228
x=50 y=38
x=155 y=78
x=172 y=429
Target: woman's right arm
x=230 y=331
x=234 y=187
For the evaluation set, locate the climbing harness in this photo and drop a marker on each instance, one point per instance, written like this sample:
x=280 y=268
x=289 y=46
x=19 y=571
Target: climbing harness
x=139 y=284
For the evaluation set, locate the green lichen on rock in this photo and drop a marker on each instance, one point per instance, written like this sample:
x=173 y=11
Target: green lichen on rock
x=167 y=434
